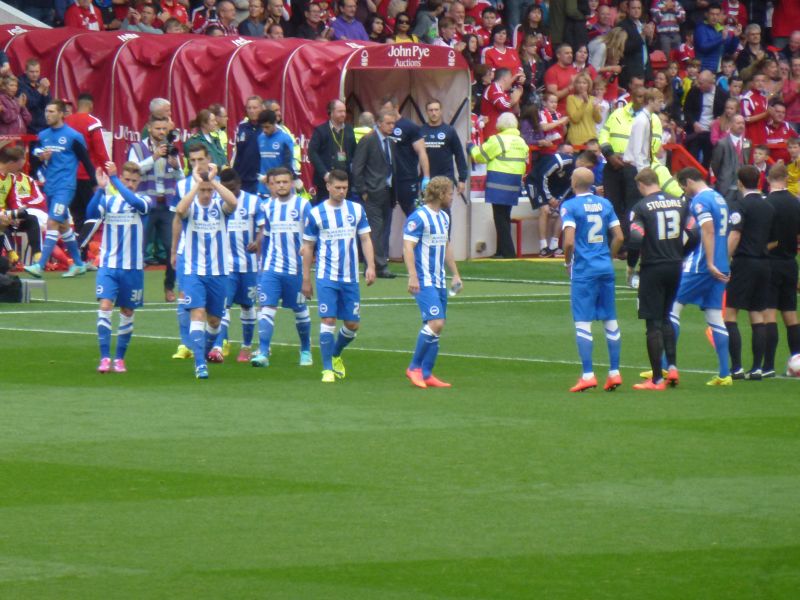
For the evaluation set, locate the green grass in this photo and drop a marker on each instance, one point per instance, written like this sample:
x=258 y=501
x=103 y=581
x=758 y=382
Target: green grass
x=267 y=484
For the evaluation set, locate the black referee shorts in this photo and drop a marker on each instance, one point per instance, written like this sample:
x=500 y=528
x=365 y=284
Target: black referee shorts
x=748 y=288
x=782 y=284
x=658 y=285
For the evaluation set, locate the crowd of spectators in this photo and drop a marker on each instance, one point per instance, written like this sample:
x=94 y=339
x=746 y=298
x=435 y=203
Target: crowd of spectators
x=564 y=67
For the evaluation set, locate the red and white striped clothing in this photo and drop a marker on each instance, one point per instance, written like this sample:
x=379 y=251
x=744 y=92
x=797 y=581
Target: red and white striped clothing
x=494 y=103
x=554 y=136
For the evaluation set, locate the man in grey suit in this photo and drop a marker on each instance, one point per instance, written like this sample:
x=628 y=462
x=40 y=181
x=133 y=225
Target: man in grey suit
x=373 y=175
x=731 y=153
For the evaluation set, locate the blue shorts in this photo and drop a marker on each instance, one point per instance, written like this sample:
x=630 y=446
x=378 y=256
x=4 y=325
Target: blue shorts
x=700 y=289
x=281 y=287
x=59 y=201
x=339 y=300
x=125 y=287
x=205 y=291
x=432 y=302
x=242 y=289
x=593 y=299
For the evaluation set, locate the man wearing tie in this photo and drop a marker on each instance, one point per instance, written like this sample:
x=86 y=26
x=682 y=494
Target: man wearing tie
x=373 y=174
x=730 y=153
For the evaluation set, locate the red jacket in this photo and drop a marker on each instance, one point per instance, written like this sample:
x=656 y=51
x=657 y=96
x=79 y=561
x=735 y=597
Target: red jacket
x=90 y=18
x=91 y=129
x=494 y=103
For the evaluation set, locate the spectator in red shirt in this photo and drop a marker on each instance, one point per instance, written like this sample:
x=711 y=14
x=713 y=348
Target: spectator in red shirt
x=172 y=9
x=734 y=13
x=475 y=9
x=558 y=78
x=458 y=13
x=754 y=109
x=207 y=11
x=91 y=129
x=533 y=24
x=501 y=96
x=778 y=131
x=500 y=56
x=84 y=15
x=488 y=21
x=791 y=94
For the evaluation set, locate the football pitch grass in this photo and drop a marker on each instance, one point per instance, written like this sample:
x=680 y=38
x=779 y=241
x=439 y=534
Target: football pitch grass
x=265 y=483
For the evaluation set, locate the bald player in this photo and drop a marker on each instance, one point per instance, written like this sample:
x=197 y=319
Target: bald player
x=588 y=221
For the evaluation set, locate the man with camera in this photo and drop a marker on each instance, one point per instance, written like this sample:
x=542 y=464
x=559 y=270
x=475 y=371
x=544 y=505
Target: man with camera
x=159 y=164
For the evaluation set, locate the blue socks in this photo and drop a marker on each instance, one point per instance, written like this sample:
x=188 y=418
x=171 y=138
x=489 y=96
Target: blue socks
x=211 y=337
x=266 y=327
x=424 y=339
x=223 y=329
x=50 y=241
x=721 y=341
x=431 y=352
x=302 y=321
x=327 y=342
x=343 y=340
x=183 y=325
x=104 y=332
x=197 y=334
x=248 y=317
x=583 y=335
x=614 y=341
x=72 y=247
x=124 y=334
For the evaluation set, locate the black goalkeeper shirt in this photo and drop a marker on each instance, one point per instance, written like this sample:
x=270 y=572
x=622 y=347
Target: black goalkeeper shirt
x=663 y=218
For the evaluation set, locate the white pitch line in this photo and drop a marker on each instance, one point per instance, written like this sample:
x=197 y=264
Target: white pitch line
x=466 y=301
x=521 y=359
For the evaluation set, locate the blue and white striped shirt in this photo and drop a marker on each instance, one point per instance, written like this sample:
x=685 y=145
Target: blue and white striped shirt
x=284 y=223
x=335 y=229
x=181 y=189
x=123 y=216
x=429 y=229
x=205 y=239
x=242 y=225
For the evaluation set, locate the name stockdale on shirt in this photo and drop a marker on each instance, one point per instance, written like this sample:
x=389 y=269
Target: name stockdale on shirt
x=656 y=204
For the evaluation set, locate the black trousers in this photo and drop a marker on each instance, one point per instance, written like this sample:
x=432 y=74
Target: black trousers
x=378 y=207
x=159 y=228
x=81 y=199
x=29 y=225
x=700 y=147
x=502 y=227
x=620 y=188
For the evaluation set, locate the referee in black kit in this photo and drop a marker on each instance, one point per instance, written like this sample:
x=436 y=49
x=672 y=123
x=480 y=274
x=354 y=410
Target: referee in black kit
x=657 y=224
x=750 y=223
x=783 y=267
